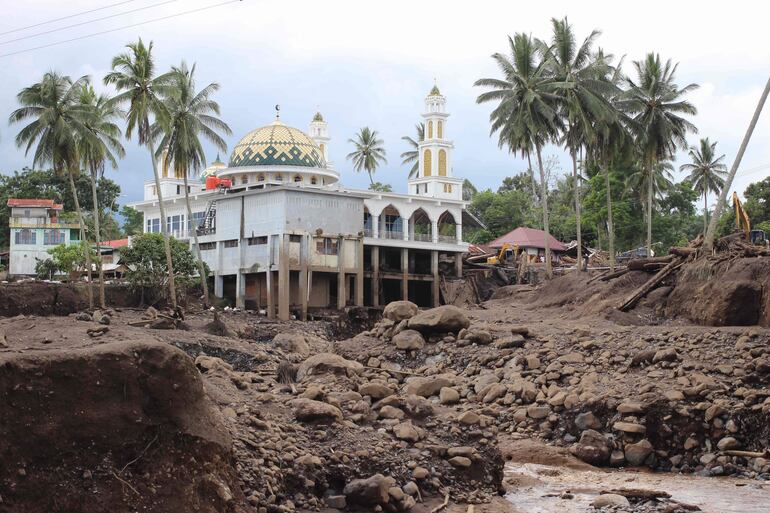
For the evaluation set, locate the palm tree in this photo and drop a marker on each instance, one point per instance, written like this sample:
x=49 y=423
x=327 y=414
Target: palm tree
x=707 y=173
x=526 y=116
x=191 y=115
x=579 y=85
x=658 y=104
x=58 y=121
x=369 y=152
x=647 y=190
x=133 y=75
x=413 y=156
x=99 y=144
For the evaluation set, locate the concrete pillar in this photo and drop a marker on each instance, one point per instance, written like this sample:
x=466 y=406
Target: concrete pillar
x=375 y=276
x=459 y=231
x=341 y=296
x=434 y=231
x=436 y=282
x=376 y=227
x=219 y=286
x=405 y=274
x=304 y=257
x=240 y=290
x=283 y=278
x=360 y=273
x=270 y=297
x=459 y=265
x=405 y=227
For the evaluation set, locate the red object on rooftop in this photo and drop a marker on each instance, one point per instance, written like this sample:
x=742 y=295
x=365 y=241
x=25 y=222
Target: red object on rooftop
x=117 y=243
x=34 y=203
x=527 y=238
x=212 y=182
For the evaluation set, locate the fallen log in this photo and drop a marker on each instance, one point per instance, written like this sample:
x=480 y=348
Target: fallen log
x=749 y=454
x=649 y=285
x=614 y=275
x=682 y=252
x=638 y=263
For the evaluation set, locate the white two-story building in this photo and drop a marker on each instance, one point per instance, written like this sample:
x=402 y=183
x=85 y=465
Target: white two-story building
x=287 y=236
x=35 y=227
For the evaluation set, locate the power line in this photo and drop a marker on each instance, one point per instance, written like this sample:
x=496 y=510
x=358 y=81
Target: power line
x=66 y=17
x=119 y=28
x=59 y=29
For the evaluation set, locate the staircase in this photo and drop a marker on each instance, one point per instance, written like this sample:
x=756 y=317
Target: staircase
x=208 y=224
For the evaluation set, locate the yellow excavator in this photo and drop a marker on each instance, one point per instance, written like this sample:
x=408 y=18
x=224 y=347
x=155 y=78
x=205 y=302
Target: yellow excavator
x=742 y=222
x=505 y=254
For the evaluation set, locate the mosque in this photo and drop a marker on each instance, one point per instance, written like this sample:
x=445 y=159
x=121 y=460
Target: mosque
x=286 y=236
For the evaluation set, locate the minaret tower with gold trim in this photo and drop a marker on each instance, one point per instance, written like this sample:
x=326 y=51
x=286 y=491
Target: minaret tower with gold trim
x=319 y=132
x=434 y=175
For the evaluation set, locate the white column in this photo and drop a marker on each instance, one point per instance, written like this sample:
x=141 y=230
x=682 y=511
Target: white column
x=459 y=231
x=376 y=226
x=240 y=290
x=219 y=286
x=434 y=230
x=405 y=227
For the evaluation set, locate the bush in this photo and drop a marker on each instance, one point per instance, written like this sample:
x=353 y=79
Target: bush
x=68 y=258
x=147 y=269
x=46 y=269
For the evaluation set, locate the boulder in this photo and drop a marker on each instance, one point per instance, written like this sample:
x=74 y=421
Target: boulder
x=638 y=452
x=375 y=390
x=728 y=443
x=587 y=420
x=327 y=363
x=448 y=395
x=292 y=343
x=460 y=462
x=478 y=336
x=629 y=427
x=409 y=339
x=425 y=386
x=592 y=448
x=443 y=319
x=308 y=410
x=611 y=499
x=372 y=491
x=398 y=311
x=407 y=431
x=510 y=342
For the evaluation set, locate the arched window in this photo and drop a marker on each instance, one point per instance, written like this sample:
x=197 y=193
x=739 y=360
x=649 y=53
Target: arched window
x=442 y=162
x=313 y=180
x=244 y=179
x=297 y=178
x=430 y=130
x=440 y=129
x=260 y=177
x=323 y=150
x=427 y=163
x=279 y=178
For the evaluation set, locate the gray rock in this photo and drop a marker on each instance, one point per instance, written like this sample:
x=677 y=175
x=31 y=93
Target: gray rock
x=398 y=311
x=587 y=420
x=327 y=363
x=447 y=318
x=612 y=500
x=369 y=492
x=409 y=340
x=592 y=448
x=308 y=410
x=638 y=452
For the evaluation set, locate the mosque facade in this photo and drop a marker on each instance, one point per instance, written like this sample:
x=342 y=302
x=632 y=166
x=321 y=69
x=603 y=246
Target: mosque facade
x=287 y=236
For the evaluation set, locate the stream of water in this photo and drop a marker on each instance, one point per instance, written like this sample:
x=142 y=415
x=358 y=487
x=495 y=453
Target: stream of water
x=544 y=489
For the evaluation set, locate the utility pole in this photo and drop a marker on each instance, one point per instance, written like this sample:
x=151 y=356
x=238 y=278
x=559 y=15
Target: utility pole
x=708 y=243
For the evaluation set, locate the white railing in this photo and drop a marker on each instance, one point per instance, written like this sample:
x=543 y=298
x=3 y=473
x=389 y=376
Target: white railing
x=451 y=239
x=423 y=237
x=391 y=234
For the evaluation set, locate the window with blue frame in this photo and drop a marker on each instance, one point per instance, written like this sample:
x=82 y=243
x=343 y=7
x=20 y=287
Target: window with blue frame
x=53 y=237
x=25 y=236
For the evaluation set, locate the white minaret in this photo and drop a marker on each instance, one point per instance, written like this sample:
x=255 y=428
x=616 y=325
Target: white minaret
x=434 y=176
x=319 y=132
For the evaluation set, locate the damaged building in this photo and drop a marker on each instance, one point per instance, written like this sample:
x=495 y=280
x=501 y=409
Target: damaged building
x=285 y=236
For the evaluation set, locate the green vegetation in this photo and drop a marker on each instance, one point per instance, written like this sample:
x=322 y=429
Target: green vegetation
x=412 y=156
x=65 y=259
x=148 y=272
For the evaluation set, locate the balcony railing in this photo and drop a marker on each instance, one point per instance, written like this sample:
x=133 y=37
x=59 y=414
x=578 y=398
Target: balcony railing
x=368 y=232
x=31 y=222
x=451 y=239
x=392 y=234
x=422 y=237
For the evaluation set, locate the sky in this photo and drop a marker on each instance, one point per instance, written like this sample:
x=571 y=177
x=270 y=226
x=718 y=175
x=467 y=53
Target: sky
x=372 y=64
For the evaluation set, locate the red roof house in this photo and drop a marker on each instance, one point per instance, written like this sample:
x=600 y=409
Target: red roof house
x=528 y=238
x=34 y=203
x=117 y=243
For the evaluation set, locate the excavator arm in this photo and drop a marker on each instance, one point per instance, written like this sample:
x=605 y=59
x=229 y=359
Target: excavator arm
x=742 y=221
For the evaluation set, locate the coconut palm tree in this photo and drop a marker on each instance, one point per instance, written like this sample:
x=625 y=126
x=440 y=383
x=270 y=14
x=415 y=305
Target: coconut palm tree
x=58 y=121
x=650 y=184
x=133 y=75
x=707 y=172
x=657 y=105
x=526 y=115
x=369 y=152
x=578 y=81
x=413 y=156
x=192 y=115
x=98 y=145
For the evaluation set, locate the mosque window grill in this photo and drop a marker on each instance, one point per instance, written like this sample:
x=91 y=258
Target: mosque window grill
x=207 y=246
x=260 y=178
x=313 y=180
x=297 y=178
x=427 y=161
x=327 y=246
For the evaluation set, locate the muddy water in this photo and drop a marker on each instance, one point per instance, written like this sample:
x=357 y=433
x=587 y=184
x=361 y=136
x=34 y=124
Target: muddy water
x=538 y=488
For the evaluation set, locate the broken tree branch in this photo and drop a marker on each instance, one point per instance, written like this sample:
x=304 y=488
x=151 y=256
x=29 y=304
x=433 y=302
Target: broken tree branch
x=642 y=291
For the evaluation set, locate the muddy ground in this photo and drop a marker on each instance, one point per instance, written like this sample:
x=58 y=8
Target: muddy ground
x=259 y=416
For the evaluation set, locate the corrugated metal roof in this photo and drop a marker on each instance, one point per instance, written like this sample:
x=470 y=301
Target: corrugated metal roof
x=529 y=238
x=44 y=203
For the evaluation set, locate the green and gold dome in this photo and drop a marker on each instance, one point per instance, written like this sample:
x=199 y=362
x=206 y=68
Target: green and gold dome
x=277 y=145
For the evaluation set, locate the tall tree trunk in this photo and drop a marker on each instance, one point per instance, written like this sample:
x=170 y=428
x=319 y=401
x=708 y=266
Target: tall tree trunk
x=722 y=201
x=705 y=212
x=201 y=267
x=610 y=225
x=544 y=192
x=98 y=239
x=577 y=211
x=532 y=177
x=371 y=180
x=83 y=238
x=649 y=209
x=163 y=227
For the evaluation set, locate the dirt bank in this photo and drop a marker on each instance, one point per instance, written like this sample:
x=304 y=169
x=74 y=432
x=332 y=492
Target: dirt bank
x=44 y=298
x=109 y=429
